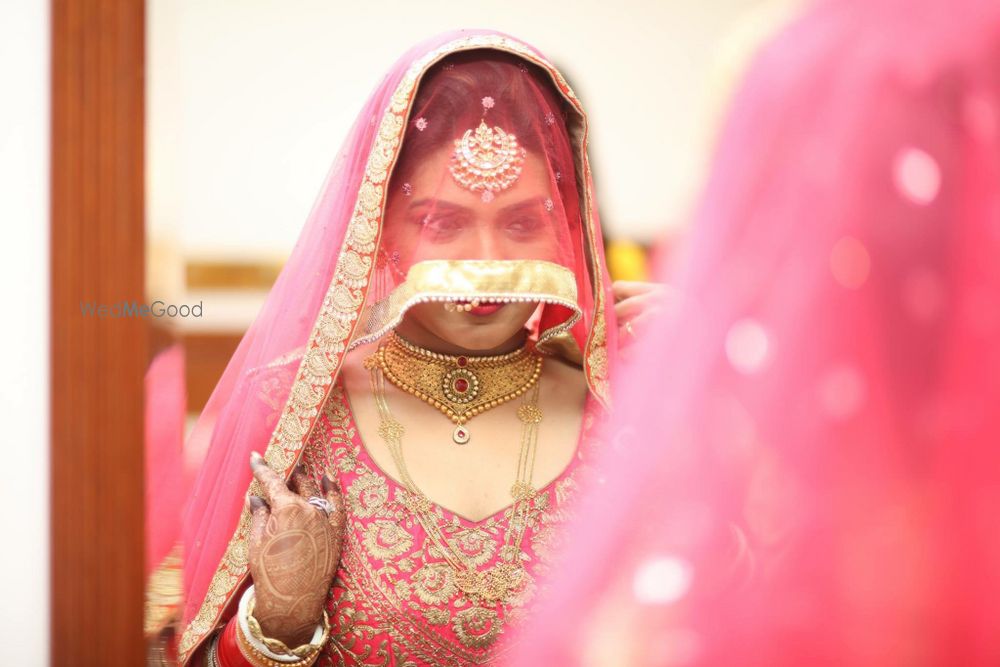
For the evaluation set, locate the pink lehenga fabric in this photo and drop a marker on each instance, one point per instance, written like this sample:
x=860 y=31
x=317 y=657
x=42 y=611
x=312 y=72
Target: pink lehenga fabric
x=824 y=393
x=334 y=291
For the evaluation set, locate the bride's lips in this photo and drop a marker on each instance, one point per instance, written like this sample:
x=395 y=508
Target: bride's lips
x=484 y=309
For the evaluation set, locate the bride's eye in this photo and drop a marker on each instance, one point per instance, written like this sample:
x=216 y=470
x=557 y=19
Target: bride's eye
x=441 y=227
x=523 y=226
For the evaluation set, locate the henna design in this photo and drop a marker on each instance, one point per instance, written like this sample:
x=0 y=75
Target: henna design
x=294 y=551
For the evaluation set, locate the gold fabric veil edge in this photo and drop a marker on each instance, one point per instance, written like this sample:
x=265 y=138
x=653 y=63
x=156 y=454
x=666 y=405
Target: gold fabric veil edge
x=447 y=280
x=344 y=302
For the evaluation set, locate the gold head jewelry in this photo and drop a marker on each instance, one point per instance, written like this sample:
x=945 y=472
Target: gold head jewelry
x=487 y=160
x=460 y=386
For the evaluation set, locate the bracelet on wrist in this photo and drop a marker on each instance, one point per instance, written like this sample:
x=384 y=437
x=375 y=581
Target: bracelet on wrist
x=279 y=647
x=263 y=651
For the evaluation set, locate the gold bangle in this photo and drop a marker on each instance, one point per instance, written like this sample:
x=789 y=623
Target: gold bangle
x=278 y=646
x=258 y=659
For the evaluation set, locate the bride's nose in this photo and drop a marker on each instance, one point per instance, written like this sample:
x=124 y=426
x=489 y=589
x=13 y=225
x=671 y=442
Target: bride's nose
x=488 y=244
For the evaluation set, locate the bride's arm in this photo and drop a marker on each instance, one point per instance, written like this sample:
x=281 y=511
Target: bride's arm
x=294 y=551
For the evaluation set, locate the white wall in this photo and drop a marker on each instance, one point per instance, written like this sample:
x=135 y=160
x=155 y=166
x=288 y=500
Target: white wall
x=249 y=101
x=24 y=295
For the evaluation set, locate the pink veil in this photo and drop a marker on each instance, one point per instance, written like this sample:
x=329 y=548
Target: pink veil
x=167 y=486
x=275 y=385
x=807 y=453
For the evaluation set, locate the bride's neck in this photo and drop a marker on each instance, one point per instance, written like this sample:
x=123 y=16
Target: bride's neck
x=422 y=337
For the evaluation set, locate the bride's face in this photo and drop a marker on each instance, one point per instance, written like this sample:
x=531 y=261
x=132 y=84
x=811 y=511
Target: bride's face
x=436 y=218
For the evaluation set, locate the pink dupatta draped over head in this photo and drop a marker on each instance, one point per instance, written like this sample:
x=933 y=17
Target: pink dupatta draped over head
x=826 y=393
x=332 y=293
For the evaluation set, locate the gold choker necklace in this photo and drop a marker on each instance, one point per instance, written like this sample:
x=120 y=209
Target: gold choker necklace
x=459 y=386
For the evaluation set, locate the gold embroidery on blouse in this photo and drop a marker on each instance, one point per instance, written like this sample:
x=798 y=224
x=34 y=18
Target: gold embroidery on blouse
x=351 y=633
x=392 y=581
x=367 y=495
x=543 y=544
x=387 y=539
x=403 y=589
x=435 y=583
x=436 y=616
x=522 y=596
x=476 y=627
x=476 y=546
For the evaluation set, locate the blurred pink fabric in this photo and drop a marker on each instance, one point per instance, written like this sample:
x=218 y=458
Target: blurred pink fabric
x=167 y=482
x=806 y=452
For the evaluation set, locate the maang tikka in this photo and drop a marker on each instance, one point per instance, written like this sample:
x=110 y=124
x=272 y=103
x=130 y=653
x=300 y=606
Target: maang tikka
x=487 y=160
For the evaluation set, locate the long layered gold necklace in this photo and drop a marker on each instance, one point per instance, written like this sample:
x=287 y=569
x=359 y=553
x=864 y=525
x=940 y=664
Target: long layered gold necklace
x=459 y=386
x=499 y=582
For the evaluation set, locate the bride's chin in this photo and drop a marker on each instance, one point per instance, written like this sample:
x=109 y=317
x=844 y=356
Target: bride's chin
x=479 y=337
x=466 y=332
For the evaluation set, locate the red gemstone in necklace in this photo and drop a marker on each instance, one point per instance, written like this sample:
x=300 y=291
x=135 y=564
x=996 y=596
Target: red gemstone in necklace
x=462 y=362
x=461 y=385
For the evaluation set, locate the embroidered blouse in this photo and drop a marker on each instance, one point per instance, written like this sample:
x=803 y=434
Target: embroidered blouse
x=394 y=600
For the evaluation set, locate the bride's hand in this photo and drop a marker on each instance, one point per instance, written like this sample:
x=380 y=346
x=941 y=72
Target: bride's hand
x=636 y=304
x=294 y=551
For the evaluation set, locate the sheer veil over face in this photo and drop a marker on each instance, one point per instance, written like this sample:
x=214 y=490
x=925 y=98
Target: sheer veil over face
x=483 y=204
x=407 y=220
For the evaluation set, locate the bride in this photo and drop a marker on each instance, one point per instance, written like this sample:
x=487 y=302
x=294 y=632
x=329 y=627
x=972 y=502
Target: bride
x=421 y=384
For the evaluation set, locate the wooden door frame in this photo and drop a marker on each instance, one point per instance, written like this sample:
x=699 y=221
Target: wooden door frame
x=97 y=365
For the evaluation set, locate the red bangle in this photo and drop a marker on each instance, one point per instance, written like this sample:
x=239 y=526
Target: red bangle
x=229 y=651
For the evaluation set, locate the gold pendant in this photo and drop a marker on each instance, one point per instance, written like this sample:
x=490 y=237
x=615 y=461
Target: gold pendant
x=460 y=385
x=468 y=582
x=461 y=434
x=493 y=585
